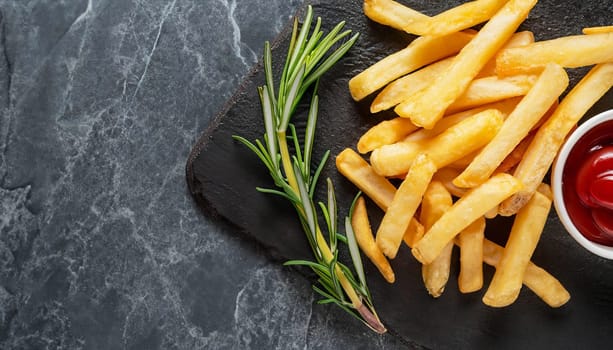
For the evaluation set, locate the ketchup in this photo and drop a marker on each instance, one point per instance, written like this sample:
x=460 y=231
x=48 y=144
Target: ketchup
x=587 y=184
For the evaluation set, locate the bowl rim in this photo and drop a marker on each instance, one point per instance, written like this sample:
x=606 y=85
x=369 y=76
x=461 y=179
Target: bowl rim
x=556 y=184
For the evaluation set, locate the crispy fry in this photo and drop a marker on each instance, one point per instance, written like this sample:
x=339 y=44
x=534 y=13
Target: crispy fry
x=357 y=170
x=466 y=210
x=505 y=107
x=492 y=213
x=597 y=30
x=451 y=145
x=551 y=83
x=385 y=133
x=404 y=205
x=394 y=14
x=492 y=89
x=470 y=241
x=524 y=236
x=517 y=40
x=467 y=64
x=366 y=241
x=436 y=201
x=446 y=176
x=421 y=51
x=398 y=90
x=569 y=52
x=458 y=18
x=543 y=284
x=549 y=138
x=414 y=233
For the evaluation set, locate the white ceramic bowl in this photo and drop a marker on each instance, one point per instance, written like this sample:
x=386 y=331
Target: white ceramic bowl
x=556 y=184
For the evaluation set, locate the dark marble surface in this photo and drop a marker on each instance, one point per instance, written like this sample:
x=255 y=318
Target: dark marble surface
x=101 y=247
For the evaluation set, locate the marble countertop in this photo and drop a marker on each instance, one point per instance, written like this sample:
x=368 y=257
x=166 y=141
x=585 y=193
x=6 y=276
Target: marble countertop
x=101 y=246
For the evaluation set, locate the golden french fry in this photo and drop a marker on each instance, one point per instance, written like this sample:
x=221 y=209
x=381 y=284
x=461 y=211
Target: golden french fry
x=414 y=233
x=524 y=236
x=517 y=40
x=492 y=213
x=420 y=52
x=436 y=201
x=466 y=210
x=467 y=64
x=446 y=176
x=460 y=17
x=597 y=30
x=398 y=90
x=470 y=241
x=569 y=52
x=357 y=170
x=385 y=133
x=549 y=138
x=463 y=162
x=543 y=284
x=550 y=84
x=456 y=142
x=393 y=14
x=505 y=107
x=404 y=205
x=492 y=89
x=366 y=241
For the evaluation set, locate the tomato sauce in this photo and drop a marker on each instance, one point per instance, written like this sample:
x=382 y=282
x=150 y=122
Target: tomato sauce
x=587 y=184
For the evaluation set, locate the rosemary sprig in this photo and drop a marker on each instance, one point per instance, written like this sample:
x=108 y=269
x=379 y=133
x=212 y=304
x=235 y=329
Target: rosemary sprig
x=308 y=58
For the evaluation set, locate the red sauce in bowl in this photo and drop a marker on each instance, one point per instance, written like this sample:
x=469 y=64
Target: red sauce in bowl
x=587 y=184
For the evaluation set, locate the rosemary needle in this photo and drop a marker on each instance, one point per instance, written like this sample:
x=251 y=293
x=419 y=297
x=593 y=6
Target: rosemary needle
x=309 y=56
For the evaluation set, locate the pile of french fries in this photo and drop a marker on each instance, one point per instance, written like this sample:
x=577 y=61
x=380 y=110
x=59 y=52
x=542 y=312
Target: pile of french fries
x=478 y=125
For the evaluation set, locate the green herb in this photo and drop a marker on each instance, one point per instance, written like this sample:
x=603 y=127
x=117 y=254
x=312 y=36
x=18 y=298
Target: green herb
x=308 y=58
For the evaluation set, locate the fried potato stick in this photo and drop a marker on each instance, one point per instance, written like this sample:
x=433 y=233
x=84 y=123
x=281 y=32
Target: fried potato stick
x=568 y=51
x=451 y=145
x=470 y=241
x=436 y=201
x=366 y=241
x=541 y=282
x=466 y=210
x=467 y=64
x=525 y=234
x=385 y=133
x=549 y=138
x=420 y=52
x=404 y=205
x=550 y=84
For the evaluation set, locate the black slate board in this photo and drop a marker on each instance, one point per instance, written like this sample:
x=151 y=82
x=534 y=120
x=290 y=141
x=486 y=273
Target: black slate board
x=222 y=176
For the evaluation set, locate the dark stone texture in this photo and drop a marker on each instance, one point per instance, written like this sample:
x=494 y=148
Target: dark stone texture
x=101 y=245
x=216 y=175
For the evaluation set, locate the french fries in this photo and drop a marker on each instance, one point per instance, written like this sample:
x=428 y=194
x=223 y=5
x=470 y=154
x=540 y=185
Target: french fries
x=517 y=40
x=366 y=241
x=528 y=112
x=492 y=89
x=543 y=284
x=524 y=236
x=458 y=18
x=456 y=142
x=385 y=133
x=482 y=126
x=421 y=51
x=467 y=64
x=436 y=201
x=394 y=14
x=597 y=30
x=549 y=138
x=466 y=210
x=570 y=52
x=357 y=170
x=470 y=241
x=404 y=205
